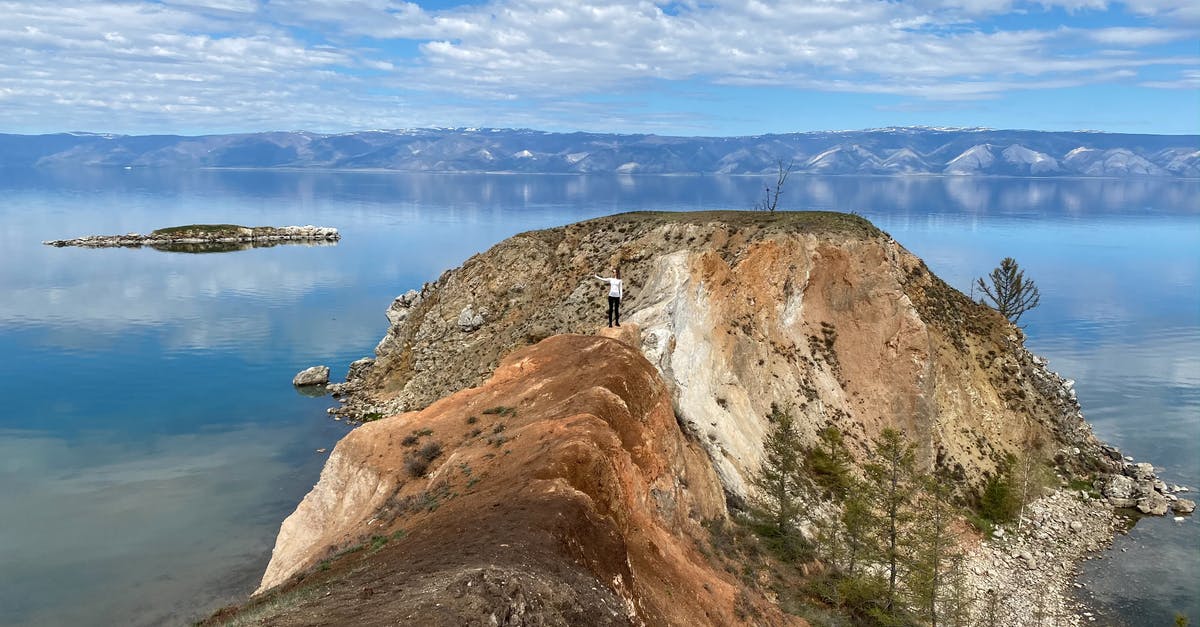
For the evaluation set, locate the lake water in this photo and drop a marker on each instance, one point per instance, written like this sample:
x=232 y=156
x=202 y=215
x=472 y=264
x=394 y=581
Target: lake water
x=151 y=442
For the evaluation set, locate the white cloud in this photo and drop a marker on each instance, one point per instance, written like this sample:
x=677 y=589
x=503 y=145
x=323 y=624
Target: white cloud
x=1188 y=79
x=510 y=49
x=1174 y=11
x=333 y=65
x=1128 y=36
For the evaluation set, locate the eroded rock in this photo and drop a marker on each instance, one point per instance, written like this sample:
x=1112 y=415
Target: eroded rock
x=1153 y=504
x=1140 y=472
x=558 y=491
x=469 y=320
x=823 y=314
x=1120 y=491
x=359 y=369
x=316 y=375
x=398 y=311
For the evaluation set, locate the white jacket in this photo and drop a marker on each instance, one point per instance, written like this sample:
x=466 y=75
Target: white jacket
x=614 y=286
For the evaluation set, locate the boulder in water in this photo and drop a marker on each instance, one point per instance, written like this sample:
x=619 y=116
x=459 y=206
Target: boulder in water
x=316 y=375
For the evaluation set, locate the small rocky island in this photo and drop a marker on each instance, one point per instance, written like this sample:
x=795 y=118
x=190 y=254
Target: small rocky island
x=208 y=238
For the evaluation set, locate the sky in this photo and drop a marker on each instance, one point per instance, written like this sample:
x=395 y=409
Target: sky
x=716 y=68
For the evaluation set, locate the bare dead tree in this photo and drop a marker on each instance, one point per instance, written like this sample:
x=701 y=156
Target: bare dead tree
x=770 y=199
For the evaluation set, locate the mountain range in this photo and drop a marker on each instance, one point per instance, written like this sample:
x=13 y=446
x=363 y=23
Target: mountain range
x=896 y=150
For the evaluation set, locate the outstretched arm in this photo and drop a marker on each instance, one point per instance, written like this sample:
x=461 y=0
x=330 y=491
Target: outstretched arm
x=599 y=277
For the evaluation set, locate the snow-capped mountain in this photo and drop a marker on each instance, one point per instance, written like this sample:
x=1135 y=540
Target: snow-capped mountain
x=895 y=151
x=904 y=161
x=975 y=160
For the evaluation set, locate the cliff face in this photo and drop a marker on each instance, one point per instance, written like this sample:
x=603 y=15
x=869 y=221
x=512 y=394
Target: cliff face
x=570 y=476
x=822 y=313
x=564 y=492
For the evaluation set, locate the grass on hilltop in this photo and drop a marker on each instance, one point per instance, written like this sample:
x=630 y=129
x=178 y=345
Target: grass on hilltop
x=199 y=229
x=808 y=221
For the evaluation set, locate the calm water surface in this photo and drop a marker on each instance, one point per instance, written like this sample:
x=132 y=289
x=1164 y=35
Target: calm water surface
x=151 y=442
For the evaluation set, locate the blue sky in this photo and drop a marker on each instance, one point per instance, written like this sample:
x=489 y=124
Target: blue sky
x=720 y=67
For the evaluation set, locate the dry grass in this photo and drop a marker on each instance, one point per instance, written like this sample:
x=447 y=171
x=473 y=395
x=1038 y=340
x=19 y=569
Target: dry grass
x=806 y=221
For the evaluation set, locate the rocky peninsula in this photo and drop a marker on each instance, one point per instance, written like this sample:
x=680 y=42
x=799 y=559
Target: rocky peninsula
x=518 y=466
x=208 y=238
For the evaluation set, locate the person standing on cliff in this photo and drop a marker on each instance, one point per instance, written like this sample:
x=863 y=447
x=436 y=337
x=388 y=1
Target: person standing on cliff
x=615 y=291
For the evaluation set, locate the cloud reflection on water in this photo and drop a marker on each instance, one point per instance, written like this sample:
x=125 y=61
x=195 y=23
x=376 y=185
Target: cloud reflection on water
x=181 y=351
x=131 y=535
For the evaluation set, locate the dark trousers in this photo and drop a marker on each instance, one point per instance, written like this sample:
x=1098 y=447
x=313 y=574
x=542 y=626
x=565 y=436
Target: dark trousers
x=614 y=310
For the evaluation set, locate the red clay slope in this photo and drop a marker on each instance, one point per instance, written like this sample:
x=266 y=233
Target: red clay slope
x=580 y=503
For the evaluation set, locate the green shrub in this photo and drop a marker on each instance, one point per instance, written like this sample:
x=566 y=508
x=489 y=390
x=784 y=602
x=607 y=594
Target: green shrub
x=981 y=524
x=863 y=597
x=999 y=502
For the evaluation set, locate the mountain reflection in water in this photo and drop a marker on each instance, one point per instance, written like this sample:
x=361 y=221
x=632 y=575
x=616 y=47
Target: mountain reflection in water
x=155 y=442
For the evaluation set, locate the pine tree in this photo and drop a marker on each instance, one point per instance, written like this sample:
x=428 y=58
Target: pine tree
x=996 y=611
x=1001 y=500
x=782 y=484
x=857 y=523
x=846 y=541
x=934 y=550
x=957 y=602
x=1010 y=292
x=891 y=484
x=830 y=463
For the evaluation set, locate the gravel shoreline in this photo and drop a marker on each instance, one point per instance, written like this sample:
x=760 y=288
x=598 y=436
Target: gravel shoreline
x=1027 y=576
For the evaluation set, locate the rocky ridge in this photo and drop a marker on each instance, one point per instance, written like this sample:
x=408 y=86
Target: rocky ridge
x=561 y=491
x=1138 y=487
x=730 y=313
x=818 y=312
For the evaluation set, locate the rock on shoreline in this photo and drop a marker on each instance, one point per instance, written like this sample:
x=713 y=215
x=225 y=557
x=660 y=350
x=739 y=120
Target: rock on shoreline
x=1138 y=487
x=316 y=375
x=1024 y=577
x=205 y=234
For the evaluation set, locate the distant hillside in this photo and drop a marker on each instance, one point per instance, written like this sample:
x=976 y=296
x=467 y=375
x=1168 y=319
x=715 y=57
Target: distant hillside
x=916 y=150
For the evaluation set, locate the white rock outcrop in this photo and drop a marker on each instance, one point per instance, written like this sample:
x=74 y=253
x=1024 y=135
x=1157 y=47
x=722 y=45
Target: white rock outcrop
x=347 y=492
x=316 y=375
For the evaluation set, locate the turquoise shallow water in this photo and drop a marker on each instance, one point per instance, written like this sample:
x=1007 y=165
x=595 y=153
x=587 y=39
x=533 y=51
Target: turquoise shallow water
x=151 y=443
